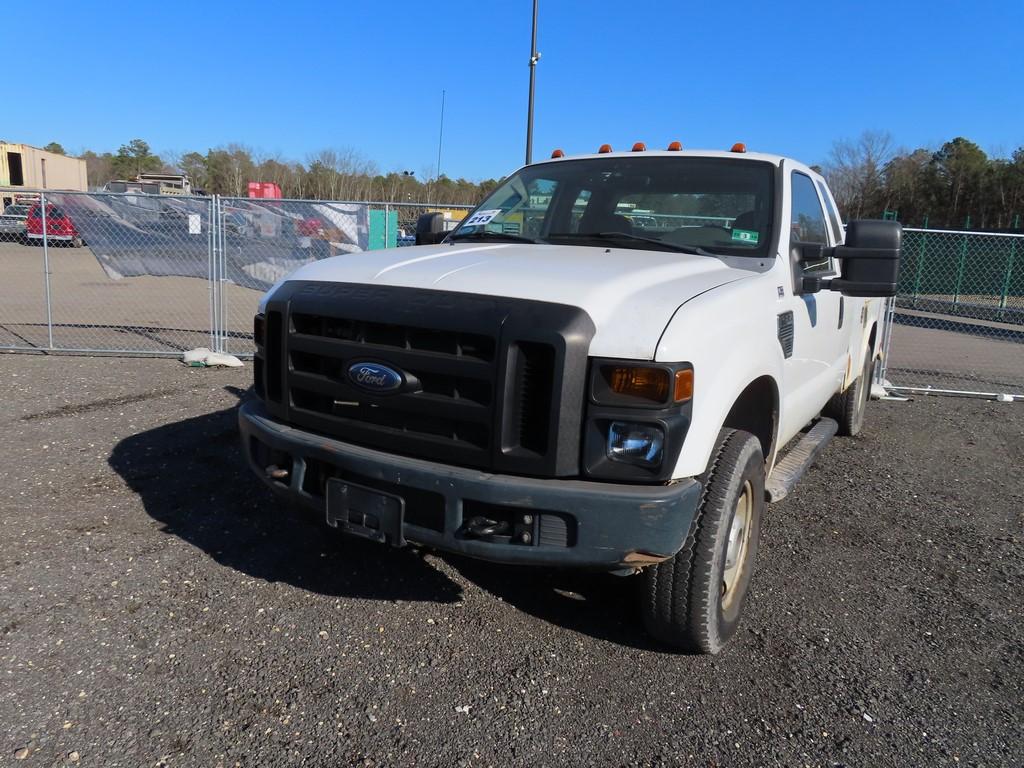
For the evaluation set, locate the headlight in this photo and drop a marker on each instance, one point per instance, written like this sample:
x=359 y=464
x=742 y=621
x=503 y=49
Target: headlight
x=631 y=443
x=644 y=386
x=638 y=413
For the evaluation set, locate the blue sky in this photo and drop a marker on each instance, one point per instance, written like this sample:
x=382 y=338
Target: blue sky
x=291 y=78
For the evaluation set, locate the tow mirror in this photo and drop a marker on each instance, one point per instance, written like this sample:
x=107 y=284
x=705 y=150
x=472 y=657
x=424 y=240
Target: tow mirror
x=430 y=229
x=870 y=259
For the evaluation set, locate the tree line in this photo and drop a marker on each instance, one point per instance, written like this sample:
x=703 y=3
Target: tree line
x=957 y=186
x=326 y=175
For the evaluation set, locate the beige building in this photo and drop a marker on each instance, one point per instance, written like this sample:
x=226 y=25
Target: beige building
x=32 y=168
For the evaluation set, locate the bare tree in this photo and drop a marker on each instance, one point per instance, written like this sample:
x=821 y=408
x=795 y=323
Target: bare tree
x=855 y=170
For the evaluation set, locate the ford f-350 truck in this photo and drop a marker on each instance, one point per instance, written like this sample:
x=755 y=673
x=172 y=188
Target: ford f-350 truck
x=599 y=368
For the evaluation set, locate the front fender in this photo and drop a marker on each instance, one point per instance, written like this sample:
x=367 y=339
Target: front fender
x=730 y=335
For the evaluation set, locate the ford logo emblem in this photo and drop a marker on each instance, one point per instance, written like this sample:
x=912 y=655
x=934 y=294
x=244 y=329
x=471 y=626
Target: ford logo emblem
x=375 y=378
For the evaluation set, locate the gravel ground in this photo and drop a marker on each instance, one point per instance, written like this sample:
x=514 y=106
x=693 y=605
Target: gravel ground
x=156 y=609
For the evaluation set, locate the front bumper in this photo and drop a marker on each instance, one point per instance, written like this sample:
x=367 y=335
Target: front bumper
x=571 y=522
x=51 y=236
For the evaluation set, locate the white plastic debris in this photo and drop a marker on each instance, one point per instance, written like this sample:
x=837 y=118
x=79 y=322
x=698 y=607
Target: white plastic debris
x=201 y=357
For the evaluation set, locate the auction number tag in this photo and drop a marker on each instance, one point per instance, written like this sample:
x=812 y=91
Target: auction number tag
x=745 y=236
x=482 y=217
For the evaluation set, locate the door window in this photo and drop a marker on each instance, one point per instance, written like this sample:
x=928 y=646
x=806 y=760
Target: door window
x=808 y=220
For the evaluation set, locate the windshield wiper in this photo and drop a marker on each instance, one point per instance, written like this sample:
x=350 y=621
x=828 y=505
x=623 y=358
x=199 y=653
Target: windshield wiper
x=620 y=236
x=488 y=235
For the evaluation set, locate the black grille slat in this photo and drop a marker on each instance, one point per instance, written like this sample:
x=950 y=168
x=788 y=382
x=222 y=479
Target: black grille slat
x=454 y=343
x=535 y=377
x=428 y=361
x=413 y=402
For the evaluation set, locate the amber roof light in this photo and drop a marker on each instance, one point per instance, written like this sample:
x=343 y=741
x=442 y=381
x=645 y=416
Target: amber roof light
x=639 y=147
x=604 y=149
x=675 y=146
x=557 y=153
x=739 y=146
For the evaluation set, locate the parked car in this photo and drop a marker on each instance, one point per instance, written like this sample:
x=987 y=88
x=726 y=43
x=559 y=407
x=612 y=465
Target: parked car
x=12 y=222
x=589 y=396
x=59 y=226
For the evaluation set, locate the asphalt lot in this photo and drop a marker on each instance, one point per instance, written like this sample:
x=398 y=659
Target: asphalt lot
x=158 y=610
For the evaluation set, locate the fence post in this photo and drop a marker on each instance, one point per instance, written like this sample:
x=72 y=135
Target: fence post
x=1009 y=272
x=960 y=271
x=920 y=267
x=46 y=273
x=211 y=267
x=222 y=324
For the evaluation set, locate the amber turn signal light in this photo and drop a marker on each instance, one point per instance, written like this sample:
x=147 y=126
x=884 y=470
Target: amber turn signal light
x=645 y=383
x=683 y=389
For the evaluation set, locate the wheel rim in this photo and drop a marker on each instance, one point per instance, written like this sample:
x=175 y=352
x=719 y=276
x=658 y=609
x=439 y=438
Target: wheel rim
x=737 y=545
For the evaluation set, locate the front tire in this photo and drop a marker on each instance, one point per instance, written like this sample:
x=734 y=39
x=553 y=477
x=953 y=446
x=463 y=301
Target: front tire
x=694 y=600
x=850 y=407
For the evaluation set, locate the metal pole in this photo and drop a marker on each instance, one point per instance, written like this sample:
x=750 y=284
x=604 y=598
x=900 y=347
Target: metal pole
x=960 y=268
x=534 y=58
x=209 y=265
x=920 y=267
x=440 y=135
x=46 y=272
x=222 y=325
x=1009 y=272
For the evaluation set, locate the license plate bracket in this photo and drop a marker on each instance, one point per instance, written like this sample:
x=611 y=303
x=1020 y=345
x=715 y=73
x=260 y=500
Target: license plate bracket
x=365 y=512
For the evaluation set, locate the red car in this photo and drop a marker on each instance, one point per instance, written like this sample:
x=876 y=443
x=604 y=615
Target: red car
x=59 y=226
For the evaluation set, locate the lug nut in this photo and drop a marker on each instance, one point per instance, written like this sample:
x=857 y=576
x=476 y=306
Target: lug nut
x=525 y=538
x=527 y=519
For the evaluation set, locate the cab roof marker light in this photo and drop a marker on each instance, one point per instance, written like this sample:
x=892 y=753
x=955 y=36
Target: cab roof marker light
x=739 y=146
x=639 y=147
x=604 y=149
x=557 y=153
x=675 y=146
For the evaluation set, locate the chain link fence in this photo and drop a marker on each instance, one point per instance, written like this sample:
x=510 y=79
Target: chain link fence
x=957 y=322
x=131 y=273
x=143 y=274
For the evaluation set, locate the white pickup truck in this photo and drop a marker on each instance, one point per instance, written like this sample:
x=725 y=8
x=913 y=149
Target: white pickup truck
x=599 y=368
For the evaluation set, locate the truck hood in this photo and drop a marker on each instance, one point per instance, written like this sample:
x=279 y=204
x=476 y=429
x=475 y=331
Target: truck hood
x=629 y=294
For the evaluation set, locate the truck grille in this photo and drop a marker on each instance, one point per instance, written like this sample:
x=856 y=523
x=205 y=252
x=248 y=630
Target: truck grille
x=489 y=382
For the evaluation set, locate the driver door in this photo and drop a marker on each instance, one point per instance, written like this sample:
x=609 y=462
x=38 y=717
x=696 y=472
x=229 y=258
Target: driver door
x=816 y=366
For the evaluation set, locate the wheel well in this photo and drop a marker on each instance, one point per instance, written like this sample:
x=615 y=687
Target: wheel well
x=756 y=410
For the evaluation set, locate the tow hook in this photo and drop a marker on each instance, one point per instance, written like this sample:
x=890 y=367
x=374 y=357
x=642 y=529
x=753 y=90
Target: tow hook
x=486 y=529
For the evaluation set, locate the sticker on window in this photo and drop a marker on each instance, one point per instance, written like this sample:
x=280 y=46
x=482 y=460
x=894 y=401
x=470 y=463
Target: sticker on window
x=482 y=217
x=745 y=236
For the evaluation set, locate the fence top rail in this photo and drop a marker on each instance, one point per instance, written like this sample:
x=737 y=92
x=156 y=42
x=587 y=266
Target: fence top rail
x=10 y=191
x=962 y=232
x=325 y=201
x=13 y=191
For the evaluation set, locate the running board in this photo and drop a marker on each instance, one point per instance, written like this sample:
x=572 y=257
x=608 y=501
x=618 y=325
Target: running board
x=793 y=465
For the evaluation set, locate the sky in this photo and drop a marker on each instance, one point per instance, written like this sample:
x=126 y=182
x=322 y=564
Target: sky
x=288 y=79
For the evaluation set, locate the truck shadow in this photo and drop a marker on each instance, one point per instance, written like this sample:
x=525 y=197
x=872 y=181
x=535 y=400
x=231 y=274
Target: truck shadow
x=192 y=478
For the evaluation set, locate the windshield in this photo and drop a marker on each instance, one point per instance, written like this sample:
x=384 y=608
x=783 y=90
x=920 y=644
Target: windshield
x=723 y=205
